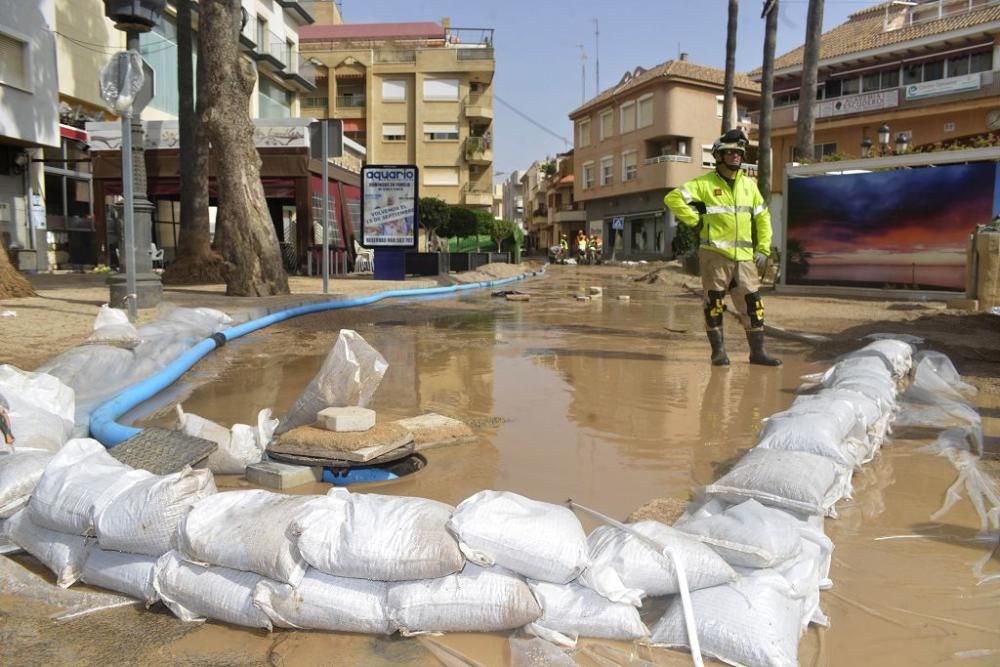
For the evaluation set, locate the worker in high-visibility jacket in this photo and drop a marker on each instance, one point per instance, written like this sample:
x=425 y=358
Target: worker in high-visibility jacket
x=734 y=243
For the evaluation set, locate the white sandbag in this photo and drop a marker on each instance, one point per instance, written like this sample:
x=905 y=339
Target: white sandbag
x=63 y=554
x=745 y=535
x=793 y=481
x=78 y=482
x=571 y=611
x=40 y=407
x=896 y=354
x=128 y=574
x=754 y=621
x=323 y=602
x=385 y=538
x=246 y=530
x=474 y=600
x=866 y=410
x=111 y=327
x=817 y=433
x=807 y=574
x=538 y=540
x=144 y=518
x=238 y=447
x=195 y=592
x=20 y=471
x=638 y=567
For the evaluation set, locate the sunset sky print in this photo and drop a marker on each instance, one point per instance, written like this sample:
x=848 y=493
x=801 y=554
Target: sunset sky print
x=919 y=216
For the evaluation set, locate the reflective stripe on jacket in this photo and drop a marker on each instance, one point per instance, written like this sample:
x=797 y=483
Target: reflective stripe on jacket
x=731 y=217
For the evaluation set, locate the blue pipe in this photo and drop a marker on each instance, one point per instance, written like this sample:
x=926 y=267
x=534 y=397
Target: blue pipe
x=104 y=426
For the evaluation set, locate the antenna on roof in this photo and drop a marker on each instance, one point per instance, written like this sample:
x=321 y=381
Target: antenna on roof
x=583 y=73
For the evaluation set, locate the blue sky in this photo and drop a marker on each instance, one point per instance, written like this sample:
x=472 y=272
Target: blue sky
x=538 y=60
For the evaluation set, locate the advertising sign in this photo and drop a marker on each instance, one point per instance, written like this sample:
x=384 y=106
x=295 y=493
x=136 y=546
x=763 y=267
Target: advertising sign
x=887 y=229
x=389 y=206
x=956 y=84
x=883 y=99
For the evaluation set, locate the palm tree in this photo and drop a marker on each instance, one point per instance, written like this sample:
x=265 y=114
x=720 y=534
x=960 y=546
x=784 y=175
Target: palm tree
x=728 y=101
x=806 y=137
x=770 y=15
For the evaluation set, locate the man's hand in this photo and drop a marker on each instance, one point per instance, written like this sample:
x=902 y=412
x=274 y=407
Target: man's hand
x=760 y=259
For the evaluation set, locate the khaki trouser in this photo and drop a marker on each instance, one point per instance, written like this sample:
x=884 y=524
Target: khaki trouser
x=721 y=274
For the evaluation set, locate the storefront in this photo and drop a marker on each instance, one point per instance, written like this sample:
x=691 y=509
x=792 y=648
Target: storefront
x=632 y=229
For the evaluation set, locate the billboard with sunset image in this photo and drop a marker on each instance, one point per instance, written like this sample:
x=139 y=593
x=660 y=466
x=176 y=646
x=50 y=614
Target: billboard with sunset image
x=897 y=229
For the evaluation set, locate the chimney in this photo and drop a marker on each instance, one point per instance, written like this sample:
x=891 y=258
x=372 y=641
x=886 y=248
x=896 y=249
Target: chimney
x=445 y=22
x=684 y=55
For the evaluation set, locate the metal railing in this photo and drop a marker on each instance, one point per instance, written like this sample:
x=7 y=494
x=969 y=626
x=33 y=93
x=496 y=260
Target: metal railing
x=464 y=37
x=475 y=145
x=667 y=158
x=351 y=100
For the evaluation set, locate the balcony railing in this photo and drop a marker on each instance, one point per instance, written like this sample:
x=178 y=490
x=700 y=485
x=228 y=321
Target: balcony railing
x=469 y=37
x=396 y=56
x=474 y=145
x=350 y=100
x=667 y=158
x=475 y=54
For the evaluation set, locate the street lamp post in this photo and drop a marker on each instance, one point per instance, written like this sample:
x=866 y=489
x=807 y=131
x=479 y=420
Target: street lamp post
x=884 y=133
x=134 y=17
x=866 y=147
x=902 y=144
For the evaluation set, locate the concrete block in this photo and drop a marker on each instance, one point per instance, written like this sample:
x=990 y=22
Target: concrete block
x=432 y=430
x=351 y=419
x=519 y=297
x=624 y=297
x=963 y=304
x=274 y=475
x=596 y=291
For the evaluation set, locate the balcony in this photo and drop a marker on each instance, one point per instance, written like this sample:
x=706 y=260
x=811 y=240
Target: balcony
x=396 y=56
x=300 y=73
x=476 y=195
x=350 y=101
x=686 y=159
x=272 y=51
x=479 y=105
x=569 y=213
x=479 y=150
x=297 y=10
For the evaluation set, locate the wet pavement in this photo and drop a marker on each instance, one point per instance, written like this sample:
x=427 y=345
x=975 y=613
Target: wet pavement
x=608 y=402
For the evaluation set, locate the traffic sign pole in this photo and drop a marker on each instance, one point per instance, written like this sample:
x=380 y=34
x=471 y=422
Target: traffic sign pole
x=130 y=297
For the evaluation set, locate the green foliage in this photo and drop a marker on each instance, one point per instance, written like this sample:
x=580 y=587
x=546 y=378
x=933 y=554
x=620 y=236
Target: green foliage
x=549 y=169
x=686 y=241
x=501 y=230
x=462 y=221
x=433 y=214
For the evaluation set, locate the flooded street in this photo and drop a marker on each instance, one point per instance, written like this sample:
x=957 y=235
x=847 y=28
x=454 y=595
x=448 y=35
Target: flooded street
x=612 y=403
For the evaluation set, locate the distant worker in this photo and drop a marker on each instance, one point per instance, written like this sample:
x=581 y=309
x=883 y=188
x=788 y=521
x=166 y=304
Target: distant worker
x=581 y=246
x=563 y=248
x=735 y=243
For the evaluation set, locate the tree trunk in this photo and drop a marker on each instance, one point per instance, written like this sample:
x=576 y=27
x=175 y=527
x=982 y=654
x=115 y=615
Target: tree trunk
x=806 y=137
x=251 y=252
x=195 y=261
x=729 y=95
x=13 y=284
x=764 y=158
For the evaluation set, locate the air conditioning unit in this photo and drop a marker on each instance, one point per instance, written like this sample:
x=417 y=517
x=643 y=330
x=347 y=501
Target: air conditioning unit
x=4 y=211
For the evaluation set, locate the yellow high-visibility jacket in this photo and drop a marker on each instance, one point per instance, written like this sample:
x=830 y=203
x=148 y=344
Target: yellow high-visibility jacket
x=733 y=219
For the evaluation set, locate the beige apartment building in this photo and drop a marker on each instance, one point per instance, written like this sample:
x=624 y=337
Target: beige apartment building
x=651 y=132
x=412 y=93
x=894 y=78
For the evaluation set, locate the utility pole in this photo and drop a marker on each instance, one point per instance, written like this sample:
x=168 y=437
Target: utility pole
x=597 y=58
x=583 y=73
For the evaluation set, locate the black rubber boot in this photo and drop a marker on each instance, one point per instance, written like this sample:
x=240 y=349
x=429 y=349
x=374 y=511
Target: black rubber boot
x=757 y=354
x=719 y=356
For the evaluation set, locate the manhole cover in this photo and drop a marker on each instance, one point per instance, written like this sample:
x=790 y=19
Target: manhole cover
x=162 y=451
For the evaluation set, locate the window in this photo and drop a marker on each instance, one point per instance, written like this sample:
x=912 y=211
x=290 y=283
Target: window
x=440 y=132
x=160 y=51
x=588 y=175
x=720 y=101
x=629 y=166
x=958 y=66
x=314 y=103
x=440 y=175
x=786 y=99
x=393 y=132
x=911 y=74
x=981 y=62
x=441 y=90
x=645 y=111
x=822 y=151
x=851 y=86
x=583 y=132
x=890 y=79
x=394 y=90
x=627 y=113
x=934 y=70
x=707 y=160
x=607 y=170
x=13 y=61
x=607 y=124
x=831 y=89
x=871 y=82
x=261 y=35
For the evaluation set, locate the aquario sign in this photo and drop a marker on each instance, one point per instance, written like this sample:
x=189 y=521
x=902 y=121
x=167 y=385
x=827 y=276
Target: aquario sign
x=389 y=206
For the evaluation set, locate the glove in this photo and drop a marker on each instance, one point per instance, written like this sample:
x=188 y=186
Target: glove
x=760 y=259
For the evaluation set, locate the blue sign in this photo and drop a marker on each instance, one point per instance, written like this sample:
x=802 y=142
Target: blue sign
x=618 y=222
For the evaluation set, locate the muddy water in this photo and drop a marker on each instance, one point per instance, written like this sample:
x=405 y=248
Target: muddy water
x=613 y=404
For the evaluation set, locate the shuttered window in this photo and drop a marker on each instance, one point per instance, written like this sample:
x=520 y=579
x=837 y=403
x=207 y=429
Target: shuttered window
x=394 y=90
x=393 y=132
x=440 y=175
x=440 y=132
x=441 y=90
x=13 y=57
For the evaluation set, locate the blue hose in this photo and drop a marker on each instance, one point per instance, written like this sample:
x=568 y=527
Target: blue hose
x=104 y=426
